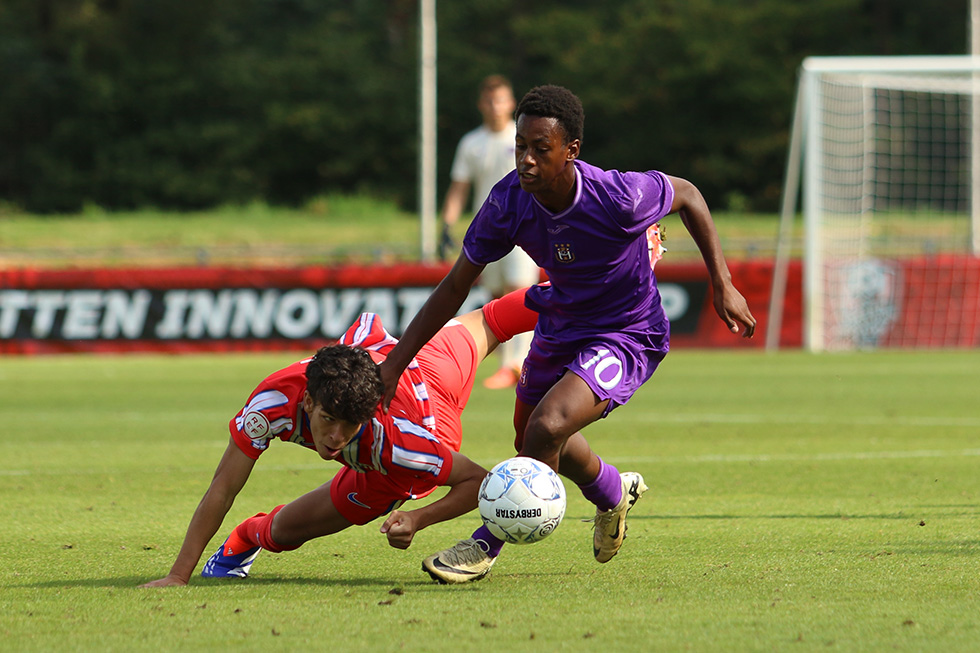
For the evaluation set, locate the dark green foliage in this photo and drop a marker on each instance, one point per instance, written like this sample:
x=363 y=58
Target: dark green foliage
x=192 y=103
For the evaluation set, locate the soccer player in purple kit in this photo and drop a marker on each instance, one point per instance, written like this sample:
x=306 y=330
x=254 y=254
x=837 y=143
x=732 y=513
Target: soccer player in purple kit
x=600 y=319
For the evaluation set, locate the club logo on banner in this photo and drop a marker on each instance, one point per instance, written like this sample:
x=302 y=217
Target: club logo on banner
x=867 y=301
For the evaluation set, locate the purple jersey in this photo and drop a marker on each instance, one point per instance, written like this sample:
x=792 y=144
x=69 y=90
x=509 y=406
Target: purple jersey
x=595 y=252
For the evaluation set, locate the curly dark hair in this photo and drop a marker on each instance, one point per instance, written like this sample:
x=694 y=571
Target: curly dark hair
x=346 y=382
x=555 y=102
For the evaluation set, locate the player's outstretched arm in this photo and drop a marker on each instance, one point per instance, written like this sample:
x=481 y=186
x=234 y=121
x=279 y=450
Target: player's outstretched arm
x=464 y=481
x=728 y=302
x=229 y=478
x=438 y=309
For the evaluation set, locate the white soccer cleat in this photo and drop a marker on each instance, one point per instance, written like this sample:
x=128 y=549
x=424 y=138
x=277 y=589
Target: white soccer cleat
x=465 y=561
x=610 y=525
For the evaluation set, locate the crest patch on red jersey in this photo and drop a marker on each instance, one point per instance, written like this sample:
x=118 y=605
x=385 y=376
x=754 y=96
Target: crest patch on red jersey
x=255 y=425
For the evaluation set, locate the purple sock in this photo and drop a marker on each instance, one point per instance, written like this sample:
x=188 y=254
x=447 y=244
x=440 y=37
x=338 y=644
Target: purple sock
x=492 y=544
x=607 y=488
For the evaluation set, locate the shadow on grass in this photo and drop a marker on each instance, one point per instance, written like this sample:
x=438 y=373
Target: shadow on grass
x=133 y=582
x=841 y=516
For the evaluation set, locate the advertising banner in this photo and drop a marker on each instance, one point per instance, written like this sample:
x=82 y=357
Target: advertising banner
x=240 y=309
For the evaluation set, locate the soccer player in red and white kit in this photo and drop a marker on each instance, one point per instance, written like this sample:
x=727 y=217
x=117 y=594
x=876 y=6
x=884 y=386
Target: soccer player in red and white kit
x=330 y=403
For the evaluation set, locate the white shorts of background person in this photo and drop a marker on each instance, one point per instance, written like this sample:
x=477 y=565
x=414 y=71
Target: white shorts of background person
x=516 y=270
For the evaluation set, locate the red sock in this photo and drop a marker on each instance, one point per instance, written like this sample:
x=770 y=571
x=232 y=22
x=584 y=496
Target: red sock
x=255 y=531
x=508 y=315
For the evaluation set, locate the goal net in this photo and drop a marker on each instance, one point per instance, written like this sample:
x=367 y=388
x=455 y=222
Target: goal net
x=887 y=151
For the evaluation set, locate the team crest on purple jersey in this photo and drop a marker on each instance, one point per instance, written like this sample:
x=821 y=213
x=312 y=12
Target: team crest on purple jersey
x=564 y=253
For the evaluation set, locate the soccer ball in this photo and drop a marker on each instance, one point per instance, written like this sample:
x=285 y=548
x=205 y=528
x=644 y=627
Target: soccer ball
x=522 y=500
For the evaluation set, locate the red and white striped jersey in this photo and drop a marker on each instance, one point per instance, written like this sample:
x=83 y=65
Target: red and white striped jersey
x=400 y=442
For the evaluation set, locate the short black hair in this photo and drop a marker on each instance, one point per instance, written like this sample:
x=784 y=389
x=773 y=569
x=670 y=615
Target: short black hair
x=555 y=102
x=345 y=382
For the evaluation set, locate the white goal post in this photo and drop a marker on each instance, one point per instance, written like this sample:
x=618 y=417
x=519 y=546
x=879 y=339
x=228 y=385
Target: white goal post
x=888 y=153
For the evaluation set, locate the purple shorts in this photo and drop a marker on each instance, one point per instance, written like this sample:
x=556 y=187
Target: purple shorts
x=613 y=365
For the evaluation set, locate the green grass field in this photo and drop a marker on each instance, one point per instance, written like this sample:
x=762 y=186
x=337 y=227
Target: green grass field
x=797 y=503
x=329 y=229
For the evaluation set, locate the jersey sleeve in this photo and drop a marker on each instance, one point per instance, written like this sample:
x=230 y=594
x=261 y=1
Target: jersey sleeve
x=268 y=414
x=646 y=198
x=491 y=234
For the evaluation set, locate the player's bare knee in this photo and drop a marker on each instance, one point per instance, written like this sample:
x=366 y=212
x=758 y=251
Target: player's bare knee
x=545 y=435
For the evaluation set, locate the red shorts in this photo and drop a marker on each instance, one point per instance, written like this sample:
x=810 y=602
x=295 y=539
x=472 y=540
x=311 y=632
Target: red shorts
x=363 y=496
x=448 y=364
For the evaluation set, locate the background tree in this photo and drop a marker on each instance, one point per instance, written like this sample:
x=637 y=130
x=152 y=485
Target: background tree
x=192 y=103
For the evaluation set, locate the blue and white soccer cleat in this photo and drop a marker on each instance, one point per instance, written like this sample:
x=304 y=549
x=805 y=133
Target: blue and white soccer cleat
x=229 y=566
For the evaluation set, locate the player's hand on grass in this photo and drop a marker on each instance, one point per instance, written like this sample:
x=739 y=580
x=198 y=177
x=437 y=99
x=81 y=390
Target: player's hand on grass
x=167 y=581
x=734 y=310
x=400 y=527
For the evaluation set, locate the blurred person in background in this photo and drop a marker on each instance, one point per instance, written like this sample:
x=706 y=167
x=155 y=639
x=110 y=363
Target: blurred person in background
x=483 y=156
